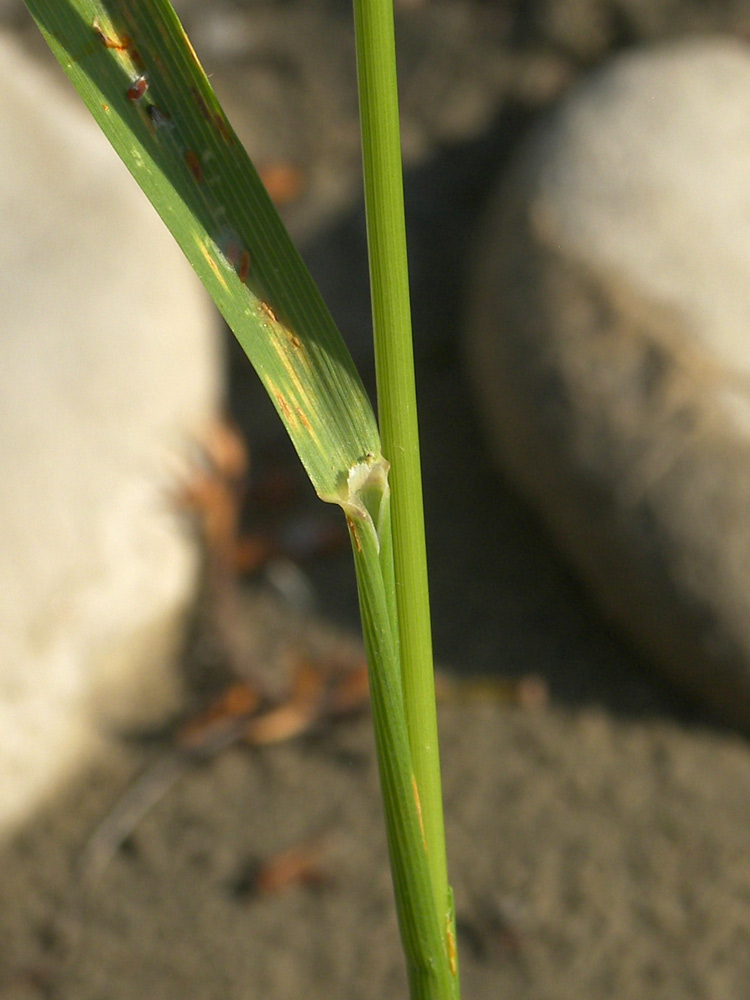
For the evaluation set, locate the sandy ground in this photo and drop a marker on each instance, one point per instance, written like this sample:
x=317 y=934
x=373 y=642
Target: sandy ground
x=599 y=845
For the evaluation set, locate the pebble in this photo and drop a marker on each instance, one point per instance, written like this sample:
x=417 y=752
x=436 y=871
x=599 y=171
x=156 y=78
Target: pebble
x=110 y=374
x=608 y=343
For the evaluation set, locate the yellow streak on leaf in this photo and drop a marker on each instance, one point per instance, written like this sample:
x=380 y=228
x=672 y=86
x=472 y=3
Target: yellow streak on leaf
x=208 y=257
x=192 y=51
x=289 y=363
x=308 y=427
x=451 y=942
x=284 y=408
x=415 y=790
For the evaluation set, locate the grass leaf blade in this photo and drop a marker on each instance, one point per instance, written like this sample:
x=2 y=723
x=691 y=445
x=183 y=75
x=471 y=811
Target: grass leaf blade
x=135 y=69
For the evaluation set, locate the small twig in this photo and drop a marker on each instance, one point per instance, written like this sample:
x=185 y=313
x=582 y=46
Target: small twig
x=120 y=822
x=199 y=740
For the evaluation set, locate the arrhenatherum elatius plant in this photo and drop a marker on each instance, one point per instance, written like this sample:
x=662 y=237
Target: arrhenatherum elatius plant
x=140 y=78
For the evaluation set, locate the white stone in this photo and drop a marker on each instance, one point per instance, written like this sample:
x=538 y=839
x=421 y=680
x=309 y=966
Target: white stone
x=110 y=373
x=609 y=341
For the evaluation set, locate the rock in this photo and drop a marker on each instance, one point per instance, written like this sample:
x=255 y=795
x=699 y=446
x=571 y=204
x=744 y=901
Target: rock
x=609 y=345
x=110 y=374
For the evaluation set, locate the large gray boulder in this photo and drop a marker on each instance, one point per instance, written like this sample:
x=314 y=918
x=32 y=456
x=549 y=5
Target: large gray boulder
x=110 y=376
x=609 y=344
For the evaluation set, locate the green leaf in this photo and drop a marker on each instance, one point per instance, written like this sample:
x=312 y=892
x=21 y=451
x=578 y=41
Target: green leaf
x=135 y=69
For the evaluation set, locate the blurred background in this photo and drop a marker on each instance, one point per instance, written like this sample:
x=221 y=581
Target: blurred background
x=599 y=846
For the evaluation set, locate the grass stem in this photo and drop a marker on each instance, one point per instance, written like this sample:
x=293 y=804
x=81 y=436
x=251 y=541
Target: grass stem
x=397 y=410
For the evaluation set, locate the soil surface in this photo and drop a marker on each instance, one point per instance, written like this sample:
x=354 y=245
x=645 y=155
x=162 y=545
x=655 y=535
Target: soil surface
x=599 y=843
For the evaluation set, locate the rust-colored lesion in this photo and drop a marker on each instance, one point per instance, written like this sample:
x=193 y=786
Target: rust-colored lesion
x=243 y=266
x=222 y=127
x=268 y=312
x=110 y=39
x=120 y=43
x=194 y=165
x=200 y=103
x=279 y=326
x=284 y=407
x=450 y=941
x=214 y=117
x=137 y=89
x=354 y=531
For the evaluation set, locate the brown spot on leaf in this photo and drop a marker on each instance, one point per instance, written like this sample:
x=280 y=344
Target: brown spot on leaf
x=283 y=406
x=194 y=165
x=303 y=420
x=354 y=533
x=268 y=311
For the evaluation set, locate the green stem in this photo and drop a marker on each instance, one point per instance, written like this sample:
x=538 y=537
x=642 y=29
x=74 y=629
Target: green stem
x=394 y=361
x=422 y=928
